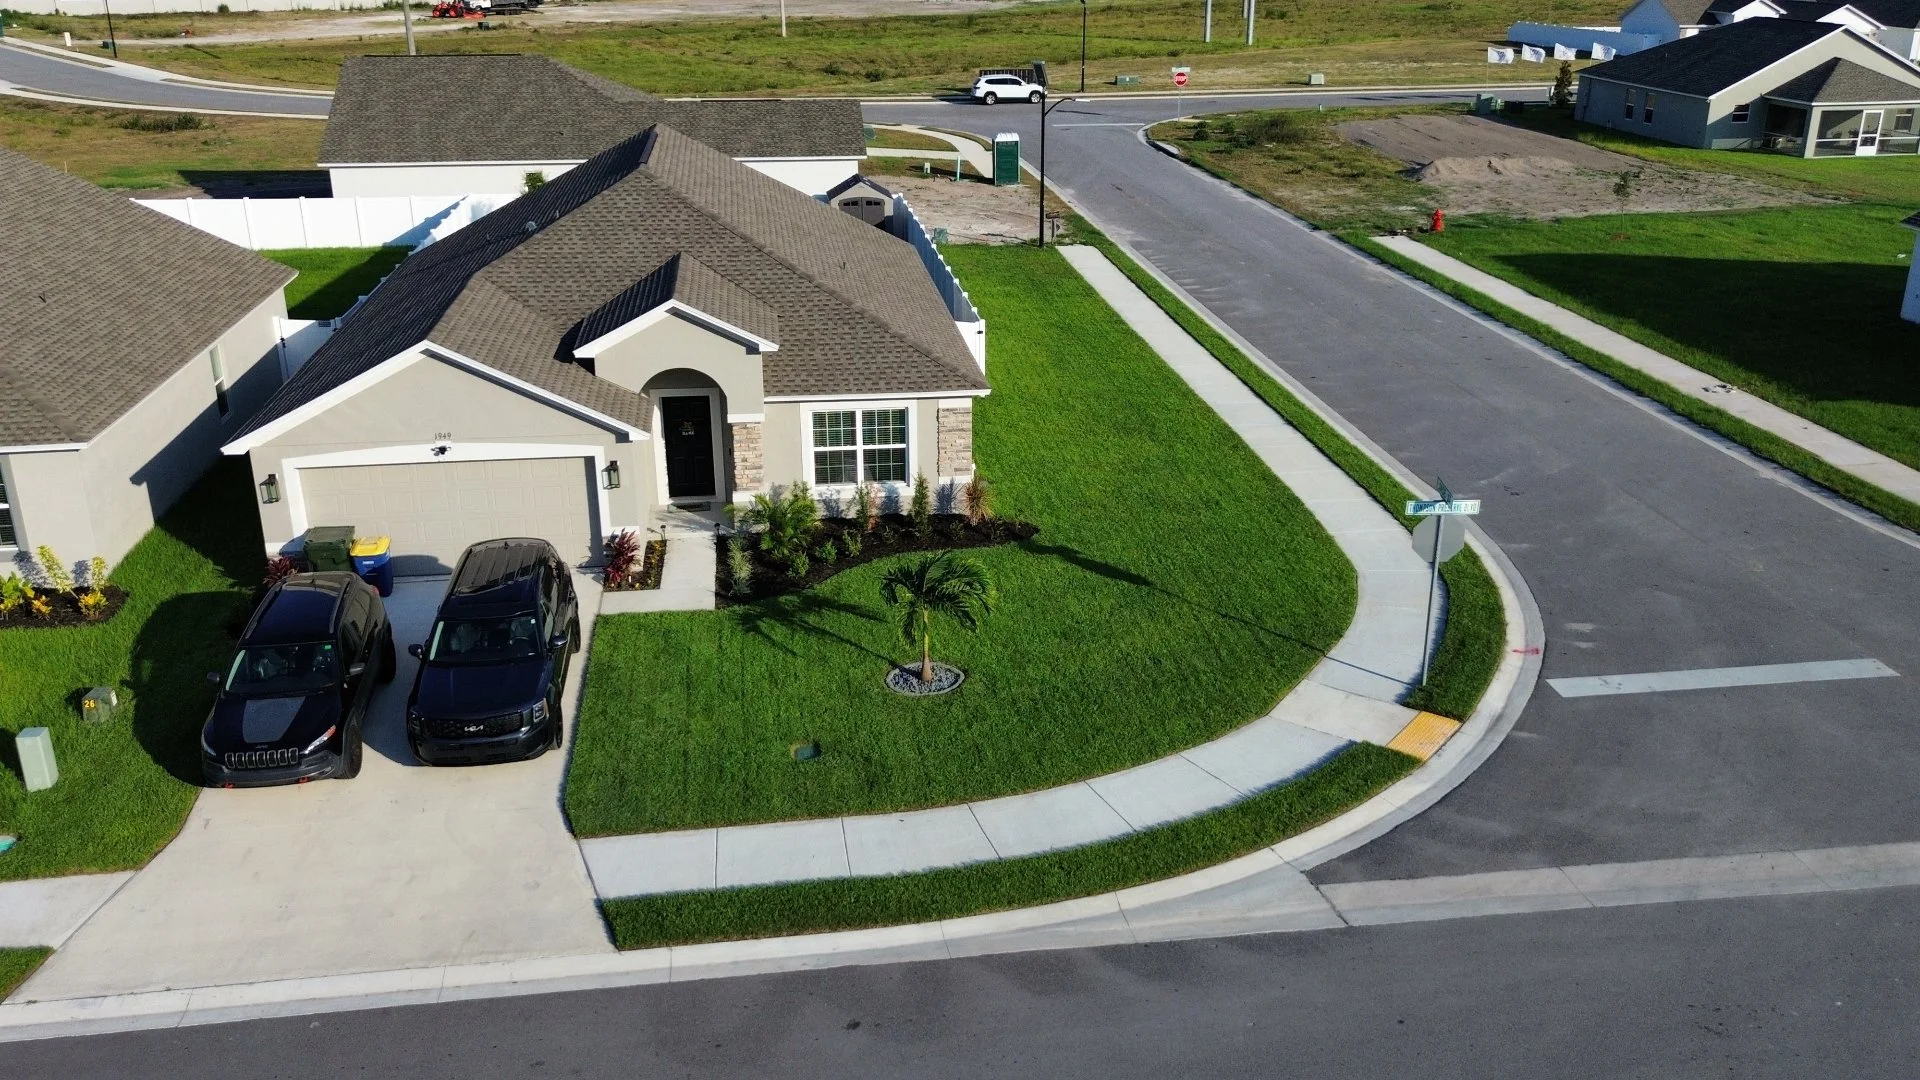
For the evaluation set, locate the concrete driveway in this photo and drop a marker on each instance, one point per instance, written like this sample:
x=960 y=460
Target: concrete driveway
x=404 y=866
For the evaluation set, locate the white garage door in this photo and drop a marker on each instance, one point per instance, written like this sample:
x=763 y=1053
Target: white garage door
x=434 y=510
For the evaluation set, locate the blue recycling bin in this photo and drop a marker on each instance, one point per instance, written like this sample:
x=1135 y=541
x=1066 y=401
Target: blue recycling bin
x=373 y=561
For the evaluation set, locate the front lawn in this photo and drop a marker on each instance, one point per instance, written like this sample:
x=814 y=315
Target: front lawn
x=126 y=785
x=1176 y=590
x=16 y=965
x=1799 y=306
x=331 y=279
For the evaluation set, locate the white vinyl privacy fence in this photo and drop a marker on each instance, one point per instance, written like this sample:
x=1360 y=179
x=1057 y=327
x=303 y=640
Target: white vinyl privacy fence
x=364 y=221
x=959 y=305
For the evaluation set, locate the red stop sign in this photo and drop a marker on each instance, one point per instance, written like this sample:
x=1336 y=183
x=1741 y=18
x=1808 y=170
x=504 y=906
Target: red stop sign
x=1179 y=78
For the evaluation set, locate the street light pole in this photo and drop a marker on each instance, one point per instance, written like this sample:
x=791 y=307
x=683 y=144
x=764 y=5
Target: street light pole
x=406 y=19
x=112 y=42
x=1083 y=45
x=1206 y=33
x=1045 y=108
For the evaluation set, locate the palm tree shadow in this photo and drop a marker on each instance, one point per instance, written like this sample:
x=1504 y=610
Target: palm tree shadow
x=801 y=613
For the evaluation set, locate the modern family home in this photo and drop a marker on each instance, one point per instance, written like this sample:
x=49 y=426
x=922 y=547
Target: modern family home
x=1810 y=89
x=479 y=125
x=1648 y=23
x=131 y=347
x=660 y=325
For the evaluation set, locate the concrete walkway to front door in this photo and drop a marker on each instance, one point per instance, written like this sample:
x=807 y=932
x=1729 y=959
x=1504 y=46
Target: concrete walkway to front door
x=686 y=579
x=404 y=866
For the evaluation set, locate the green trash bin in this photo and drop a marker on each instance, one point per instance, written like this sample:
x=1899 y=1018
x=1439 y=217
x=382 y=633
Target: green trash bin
x=329 y=547
x=1006 y=159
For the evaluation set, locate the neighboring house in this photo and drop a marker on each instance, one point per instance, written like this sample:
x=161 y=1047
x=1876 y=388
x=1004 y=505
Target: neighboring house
x=1910 y=308
x=131 y=347
x=462 y=125
x=1671 y=20
x=1810 y=89
x=659 y=325
x=865 y=199
x=1649 y=23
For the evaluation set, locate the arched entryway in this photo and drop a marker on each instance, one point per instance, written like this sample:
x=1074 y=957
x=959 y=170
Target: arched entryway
x=689 y=423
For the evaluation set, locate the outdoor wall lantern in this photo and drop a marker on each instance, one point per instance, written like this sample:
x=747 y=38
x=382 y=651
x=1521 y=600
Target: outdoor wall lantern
x=270 y=489
x=612 y=474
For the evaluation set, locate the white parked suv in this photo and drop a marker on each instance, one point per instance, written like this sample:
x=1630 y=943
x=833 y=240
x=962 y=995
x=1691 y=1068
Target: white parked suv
x=993 y=89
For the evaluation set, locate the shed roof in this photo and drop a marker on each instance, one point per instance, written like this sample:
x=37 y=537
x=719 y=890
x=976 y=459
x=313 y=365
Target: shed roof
x=1838 y=82
x=853 y=307
x=101 y=300
x=508 y=107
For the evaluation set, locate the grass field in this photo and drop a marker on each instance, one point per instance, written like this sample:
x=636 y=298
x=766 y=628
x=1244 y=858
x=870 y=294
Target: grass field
x=331 y=279
x=1176 y=590
x=99 y=145
x=1355 y=42
x=16 y=965
x=907 y=140
x=126 y=785
x=1800 y=306
x=1355 y=775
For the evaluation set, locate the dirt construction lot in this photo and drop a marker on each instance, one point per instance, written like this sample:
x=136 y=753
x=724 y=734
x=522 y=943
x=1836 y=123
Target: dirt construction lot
x=1485 y=166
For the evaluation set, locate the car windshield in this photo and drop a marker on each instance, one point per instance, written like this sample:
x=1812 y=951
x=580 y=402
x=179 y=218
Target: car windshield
x=284 y=669
x=466 y=641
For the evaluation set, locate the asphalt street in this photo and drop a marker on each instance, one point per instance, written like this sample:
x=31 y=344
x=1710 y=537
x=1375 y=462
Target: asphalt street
x=1646 y=546
x=51 y=75
x=1793 y=987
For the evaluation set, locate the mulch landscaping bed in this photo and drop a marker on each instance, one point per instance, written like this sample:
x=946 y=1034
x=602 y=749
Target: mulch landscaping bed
x=652 y=558
x=892 y=534
x=66 y=611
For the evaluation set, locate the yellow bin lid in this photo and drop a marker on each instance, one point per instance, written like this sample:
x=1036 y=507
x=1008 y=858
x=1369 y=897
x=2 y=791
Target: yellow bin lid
x=371 y=545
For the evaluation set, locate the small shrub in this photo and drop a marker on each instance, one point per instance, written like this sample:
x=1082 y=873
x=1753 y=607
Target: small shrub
x=833 y=68
x=1283 y=128
x=1562 y=95
x=15 y=593
x=532 y=180
x=58 y=576
x=1201 y=132
x=224 y=9
x=41 y=606
x=93 y=605
x=786 y=522
x=279 y=568
x=828 y=552
x=921 y=511
x=623 y=557
x=866 y=505
x=739 y=567
x=850 y=542
x=799 y=566
x=164 y=123
x=976 y=499
x=97 y=572
x=874 y=74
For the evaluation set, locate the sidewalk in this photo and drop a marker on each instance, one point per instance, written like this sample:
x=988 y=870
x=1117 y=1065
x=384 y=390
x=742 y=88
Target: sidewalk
x=686 y=574
x=1837 y=450
x=971 y=152
x=1350 y=696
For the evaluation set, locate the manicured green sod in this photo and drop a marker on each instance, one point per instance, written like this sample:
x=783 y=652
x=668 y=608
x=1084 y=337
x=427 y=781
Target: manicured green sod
x=1799 y=306
x=125 y=786
x=16 y=965
x=331 y=279
x=1475 y=635
x=1352 y=777
x=1176 y=590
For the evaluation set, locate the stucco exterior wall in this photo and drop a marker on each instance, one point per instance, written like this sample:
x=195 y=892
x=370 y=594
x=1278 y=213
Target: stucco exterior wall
x=434 y=402
x=785 y=436
x=1676 y=119
x=815 y=176
x=679 y=342
x=102 y=499
x=1910 y=308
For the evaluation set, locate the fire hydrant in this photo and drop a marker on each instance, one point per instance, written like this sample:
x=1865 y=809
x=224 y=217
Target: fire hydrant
x=1439 y=221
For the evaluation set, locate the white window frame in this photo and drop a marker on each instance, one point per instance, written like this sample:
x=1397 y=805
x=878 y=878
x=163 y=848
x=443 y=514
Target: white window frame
x=860 y=462
x=6 y=509
x=1630 y=103
x=1743 y=112
x=1646 y=108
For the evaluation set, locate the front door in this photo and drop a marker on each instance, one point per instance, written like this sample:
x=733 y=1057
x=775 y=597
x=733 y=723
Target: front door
x=688 y=439
x=1869 y=134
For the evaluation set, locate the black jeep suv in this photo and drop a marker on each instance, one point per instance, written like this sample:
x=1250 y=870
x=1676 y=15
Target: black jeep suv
x=494 y=664
x=294 y=699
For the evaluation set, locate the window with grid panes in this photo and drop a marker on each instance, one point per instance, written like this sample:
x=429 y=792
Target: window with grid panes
x=864 y=444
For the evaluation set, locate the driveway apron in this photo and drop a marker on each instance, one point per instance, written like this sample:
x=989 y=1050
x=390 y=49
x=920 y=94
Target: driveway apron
x=403 y=866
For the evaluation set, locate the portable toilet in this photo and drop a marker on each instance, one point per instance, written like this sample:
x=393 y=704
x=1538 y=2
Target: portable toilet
x=1006 y=159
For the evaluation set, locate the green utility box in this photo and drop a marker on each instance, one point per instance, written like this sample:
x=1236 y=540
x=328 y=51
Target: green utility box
x=1126 y=80
x=1006 y=159
x=329 y=547
x=35 y=748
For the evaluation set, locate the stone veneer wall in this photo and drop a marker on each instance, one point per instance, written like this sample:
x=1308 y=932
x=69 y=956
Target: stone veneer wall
x=744 y=458
x=954 y=428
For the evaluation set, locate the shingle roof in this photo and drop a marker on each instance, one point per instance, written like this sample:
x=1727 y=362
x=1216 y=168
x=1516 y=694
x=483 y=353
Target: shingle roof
x=1711 y=61
x=686 y=279
x=1912 y=221
x=391 y=109
x=1842 y=81
x=1688 y=12
x=1814 y=10
x=101 y=300
x=1904 y=13
x=853 y=308
x=857 y=180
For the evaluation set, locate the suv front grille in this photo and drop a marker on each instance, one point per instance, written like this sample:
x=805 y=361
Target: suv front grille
x=475 y=729
x=262 y=759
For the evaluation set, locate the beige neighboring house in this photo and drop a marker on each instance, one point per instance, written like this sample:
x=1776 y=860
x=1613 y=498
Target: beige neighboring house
x=131 y=347
x=660 y=325
x=478 y=124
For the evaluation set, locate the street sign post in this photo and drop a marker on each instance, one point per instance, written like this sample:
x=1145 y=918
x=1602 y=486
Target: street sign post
x=1180 y=75
x=1439 y=536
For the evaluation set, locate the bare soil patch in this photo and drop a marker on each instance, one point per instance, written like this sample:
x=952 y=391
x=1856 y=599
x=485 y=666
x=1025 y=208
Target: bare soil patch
x=1478 y=165
x=971 y=211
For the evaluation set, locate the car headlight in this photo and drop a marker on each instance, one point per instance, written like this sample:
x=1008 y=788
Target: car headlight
x=204 y=748
x=414 y=720
x=537 y=713
x=321 y=741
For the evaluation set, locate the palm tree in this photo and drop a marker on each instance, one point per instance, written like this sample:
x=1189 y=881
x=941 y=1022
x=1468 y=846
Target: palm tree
x=936 y=584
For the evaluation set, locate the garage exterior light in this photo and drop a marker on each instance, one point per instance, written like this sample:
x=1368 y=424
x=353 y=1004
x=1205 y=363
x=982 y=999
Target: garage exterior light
x=270 y=490
x=612 y=475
